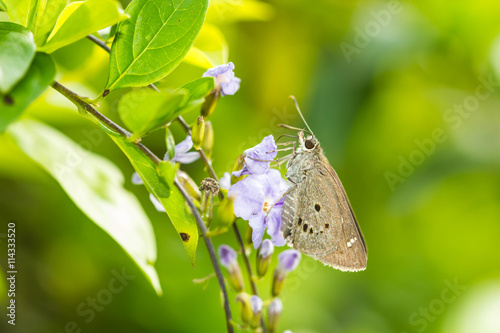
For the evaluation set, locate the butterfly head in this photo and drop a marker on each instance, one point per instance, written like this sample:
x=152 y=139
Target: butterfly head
x=308 y=143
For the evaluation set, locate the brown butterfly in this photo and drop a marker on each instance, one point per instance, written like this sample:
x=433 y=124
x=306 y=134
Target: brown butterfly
x=317 y=218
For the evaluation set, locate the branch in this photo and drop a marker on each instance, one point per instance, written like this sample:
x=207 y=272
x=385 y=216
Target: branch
x=81 y=104
x=211 y=252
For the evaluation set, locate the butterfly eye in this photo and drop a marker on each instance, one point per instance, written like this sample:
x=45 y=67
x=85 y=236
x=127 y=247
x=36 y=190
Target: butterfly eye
x=309 y=144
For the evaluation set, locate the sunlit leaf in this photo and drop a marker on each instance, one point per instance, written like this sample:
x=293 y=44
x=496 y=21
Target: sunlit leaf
x=144 y=110
x=209 y=49
x=169 y=196
x=47 y=13
x=79 y=19
x=96 y=186
x=197 y=91
x=40 y=75
x=153 y=41
x=21 y=11
x=17 y=50
x=247 y=10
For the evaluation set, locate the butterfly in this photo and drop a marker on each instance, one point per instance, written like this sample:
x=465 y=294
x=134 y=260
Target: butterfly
x=317 y=218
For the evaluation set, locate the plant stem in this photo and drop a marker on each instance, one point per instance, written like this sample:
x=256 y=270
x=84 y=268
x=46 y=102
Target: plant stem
x=221 y=196
x=99 y=42
x=237 y=233
x=212 y=174
x=211 y=252
x=80 y=103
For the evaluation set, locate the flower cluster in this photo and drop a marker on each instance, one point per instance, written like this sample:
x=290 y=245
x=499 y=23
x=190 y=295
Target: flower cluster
x=252 y=305
x=258 y=198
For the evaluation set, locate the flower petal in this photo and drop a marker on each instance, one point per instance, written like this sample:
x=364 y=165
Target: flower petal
x=273 y=222
x=225 y=181
x=159 y=207
x=136 y=179
x=184 y=146
x=227 y=255
x=248 y=197
x=259 y=157
x=230 y=87
x=186 y=158
x=288 y=260
x=258 y=228
x=219 y=70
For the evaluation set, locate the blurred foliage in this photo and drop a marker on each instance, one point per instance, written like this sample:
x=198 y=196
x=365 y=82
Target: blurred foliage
x=439 y=225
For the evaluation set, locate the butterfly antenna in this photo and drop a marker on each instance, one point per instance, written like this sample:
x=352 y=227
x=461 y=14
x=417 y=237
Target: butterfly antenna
x=300 y=113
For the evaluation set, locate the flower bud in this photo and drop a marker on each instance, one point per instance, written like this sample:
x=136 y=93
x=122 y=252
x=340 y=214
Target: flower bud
x=228 y=259
x=288 y=261
x=209 y=188
x=274 y=314
x=208 y=140
x=251 y=309
x=198 y=132
x=188 y=184
x=226 y=215
x=256 y=304
x=211 y=99
x=264 y=256
x=169 y=140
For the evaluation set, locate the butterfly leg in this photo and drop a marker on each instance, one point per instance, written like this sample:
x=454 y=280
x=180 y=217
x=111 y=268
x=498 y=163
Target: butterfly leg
x=280 y=160
x=285 y=135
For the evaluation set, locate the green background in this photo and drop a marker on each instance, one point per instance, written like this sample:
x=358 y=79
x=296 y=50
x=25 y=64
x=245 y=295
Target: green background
x=372 y=112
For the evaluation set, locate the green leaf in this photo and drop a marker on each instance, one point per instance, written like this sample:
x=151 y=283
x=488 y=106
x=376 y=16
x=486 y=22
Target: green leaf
x=154 y=41
x=17 y=50
x=3 y=6
x=144 y=110
x=209 y=49
x=197 y=91
x=48 y=12
x=96 y=186
x=21 y=11
x=81 y=18
x=40 y=75
x=169 y=196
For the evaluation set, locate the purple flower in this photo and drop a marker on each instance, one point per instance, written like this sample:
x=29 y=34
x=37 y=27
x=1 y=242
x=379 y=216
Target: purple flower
x=253 y=200
x=256 y=304
x=224 y=78
x=228 y=259
x=264 y=257
x=181 y=154
x=266 y=249
x=275 y=307
x=227 y=256
x=225 y=181
x=288 y=260
x=274 y=314
x=264 y=151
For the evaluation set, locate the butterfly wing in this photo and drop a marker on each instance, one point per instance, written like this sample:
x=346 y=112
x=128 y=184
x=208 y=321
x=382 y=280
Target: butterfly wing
x=311 y=214
x=351 y=253
x=318 y=219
